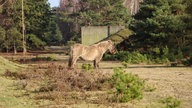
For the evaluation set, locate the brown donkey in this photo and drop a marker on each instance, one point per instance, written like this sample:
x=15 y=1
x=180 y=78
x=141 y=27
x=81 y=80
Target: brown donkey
x=90 y=53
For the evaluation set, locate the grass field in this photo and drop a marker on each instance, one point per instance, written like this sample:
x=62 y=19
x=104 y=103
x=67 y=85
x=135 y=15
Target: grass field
x=10 y=96
x=30 y=87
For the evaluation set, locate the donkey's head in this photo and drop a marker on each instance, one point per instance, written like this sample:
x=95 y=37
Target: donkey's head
x=112 y=48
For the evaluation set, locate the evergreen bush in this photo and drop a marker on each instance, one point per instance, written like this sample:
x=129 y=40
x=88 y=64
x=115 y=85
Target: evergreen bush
x=127 y=86
x=171 y=102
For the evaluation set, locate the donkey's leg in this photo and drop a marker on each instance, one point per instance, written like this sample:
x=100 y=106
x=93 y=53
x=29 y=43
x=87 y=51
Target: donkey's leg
x=74 y=60
x=97 y=60
x=95 y=64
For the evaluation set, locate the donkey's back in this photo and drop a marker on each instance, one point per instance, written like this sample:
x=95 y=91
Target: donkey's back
x=85 y=52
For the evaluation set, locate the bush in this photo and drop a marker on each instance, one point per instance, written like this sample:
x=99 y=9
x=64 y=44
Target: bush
x=132 y=57
x=125 y=64
x=51 y=58
x=109 y=57
x=188 y=62
x=127 y=86
x=135 y=58
x=86 y=66
x=41 y=58
x=70 y=43
x=35 y=42
x=175 y=55
x=171 y=102
x=161 y=60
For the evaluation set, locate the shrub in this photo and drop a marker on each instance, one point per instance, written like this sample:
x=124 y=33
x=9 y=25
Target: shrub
x=171 y=57
x=159 y=60
x=125 y=64
x=41 y=58
x=129 y=57
x=188 y=62
x=165 y=51
x=156 y=50
x=136 y=57
x=51 y=58
x=69 y=43
x=86 y=66
x=109 y=57
x=179 y=54
x=127 y=86
x=175 y=55
x=171 y=102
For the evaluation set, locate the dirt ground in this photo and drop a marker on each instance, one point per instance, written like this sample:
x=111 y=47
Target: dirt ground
x=165 y=80
x=168 y=81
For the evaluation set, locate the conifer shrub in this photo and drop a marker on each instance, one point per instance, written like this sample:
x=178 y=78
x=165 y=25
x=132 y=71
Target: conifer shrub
x=126 y=86
x=171 y=102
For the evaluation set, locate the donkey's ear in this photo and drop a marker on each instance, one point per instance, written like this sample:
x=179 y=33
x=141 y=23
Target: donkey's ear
x=109 y=41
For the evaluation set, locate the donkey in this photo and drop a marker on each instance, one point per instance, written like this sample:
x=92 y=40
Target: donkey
x=90 y=53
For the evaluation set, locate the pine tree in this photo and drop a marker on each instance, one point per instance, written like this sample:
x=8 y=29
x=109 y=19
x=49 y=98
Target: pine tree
x=93 y=13
x=188 y=31
x=104 y=12
x=15 y=38
x=160 y=23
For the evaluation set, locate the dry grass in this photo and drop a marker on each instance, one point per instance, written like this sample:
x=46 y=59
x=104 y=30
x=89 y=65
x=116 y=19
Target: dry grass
x=167 y=81
x=52 y=85
x=56 y=83
x=15 y=75
x=63 y=79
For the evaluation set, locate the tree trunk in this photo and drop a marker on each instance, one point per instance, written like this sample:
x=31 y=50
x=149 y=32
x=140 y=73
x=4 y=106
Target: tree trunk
x=23 y=31
x=14 y=48
x=7 y=49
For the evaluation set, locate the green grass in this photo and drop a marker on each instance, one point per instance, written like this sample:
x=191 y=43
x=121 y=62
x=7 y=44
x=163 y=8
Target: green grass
x=10 y=97
x=8 y=65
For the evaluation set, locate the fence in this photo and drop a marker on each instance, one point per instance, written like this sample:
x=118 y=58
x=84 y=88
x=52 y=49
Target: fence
x=94 y=34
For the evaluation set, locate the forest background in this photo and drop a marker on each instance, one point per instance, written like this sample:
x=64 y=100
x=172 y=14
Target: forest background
x=161 y=29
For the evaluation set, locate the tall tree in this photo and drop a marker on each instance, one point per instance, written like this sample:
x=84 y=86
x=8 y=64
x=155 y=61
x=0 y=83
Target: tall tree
x=15 y=38
x=104 y=12
x=11 y=19
x=23 y=31
x=41 y=24
x=38 y=22
x=188 y=32
x=160 y=23
x=95 y=13
x=53 y=36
